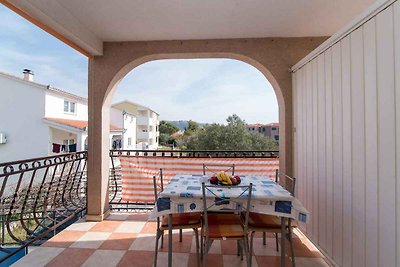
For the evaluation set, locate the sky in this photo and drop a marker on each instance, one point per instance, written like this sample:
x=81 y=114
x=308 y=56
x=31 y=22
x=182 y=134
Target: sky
x=203 y=90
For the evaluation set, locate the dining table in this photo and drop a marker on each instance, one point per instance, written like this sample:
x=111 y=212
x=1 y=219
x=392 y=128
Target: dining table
x=184 y=194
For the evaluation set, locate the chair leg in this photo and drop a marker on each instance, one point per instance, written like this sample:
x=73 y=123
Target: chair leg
x=180 y=235
x=291 y=247
x=246 y=251
x=241 y=249
x=205 y=252
x=156 y=249
x=251 y=247
x=196 y=232
x=276 y=242
x=238 y=247
x=264 y=238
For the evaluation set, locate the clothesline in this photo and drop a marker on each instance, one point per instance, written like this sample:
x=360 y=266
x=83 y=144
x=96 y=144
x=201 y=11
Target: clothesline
x=57 y=148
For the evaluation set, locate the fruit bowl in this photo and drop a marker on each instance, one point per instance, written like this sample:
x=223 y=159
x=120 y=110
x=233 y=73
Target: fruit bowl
x=224 y=179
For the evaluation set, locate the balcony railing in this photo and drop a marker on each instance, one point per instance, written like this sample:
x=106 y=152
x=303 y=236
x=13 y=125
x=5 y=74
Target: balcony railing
x=145 y=163
x=39 y=197
x=42 y=196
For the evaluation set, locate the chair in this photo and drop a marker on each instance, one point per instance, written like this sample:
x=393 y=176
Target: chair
x=214 y=168
x=269 y=223
x=227 y=224
x=190 y=220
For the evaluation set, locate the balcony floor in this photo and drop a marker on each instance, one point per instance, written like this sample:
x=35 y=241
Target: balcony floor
x=129 y=240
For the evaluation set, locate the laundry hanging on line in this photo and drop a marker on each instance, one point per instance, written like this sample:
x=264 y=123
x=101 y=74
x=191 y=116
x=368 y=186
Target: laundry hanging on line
x=57 y=148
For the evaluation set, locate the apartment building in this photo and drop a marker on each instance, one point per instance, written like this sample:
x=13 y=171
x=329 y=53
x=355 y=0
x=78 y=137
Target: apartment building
x=147 y=123
x=50 y=121
x=270 y=130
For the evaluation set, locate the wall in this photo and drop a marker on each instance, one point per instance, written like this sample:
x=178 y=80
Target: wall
x=21 y=119
x=347 y=143
x=55 y=107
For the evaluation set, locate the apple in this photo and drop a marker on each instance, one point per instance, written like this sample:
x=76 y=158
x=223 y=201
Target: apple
x=214 y=180
x=237 y=177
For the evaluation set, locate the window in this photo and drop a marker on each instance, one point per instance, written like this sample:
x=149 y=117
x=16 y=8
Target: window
x=277 y=137
x=156 y=139
x=69 y=107
x=263 y=129
x=129 y=141
x=273 y=128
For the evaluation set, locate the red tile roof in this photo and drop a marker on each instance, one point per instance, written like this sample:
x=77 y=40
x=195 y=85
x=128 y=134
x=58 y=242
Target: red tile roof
x=260 y=124
x=79 y=124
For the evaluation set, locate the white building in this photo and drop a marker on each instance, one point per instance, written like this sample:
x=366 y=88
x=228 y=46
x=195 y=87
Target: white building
x=147 y=123
x=47 y=120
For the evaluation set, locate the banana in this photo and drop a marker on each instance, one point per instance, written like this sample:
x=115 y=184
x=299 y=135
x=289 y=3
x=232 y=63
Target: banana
x=224 y=178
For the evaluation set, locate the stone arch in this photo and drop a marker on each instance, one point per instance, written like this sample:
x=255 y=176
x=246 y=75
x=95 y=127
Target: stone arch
x=124 y=70
x=271 y=56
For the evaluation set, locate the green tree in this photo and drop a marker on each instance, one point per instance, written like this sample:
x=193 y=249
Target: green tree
x=233 y=136
x=167 y=128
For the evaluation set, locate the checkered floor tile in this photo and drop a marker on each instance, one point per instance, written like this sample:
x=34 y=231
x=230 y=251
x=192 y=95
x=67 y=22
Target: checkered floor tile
x=129 y=240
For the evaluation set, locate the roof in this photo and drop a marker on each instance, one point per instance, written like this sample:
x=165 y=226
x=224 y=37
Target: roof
x=273 y=124
x=133 y=103
x=82 y=125
x=88 y=27
x=43 y=86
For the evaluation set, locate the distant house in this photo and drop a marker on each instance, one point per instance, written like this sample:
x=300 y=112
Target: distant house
x=147 y=123
x=56 y=119
x=270 y=130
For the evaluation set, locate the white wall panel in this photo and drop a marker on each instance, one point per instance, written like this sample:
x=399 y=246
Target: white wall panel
x=347 y=144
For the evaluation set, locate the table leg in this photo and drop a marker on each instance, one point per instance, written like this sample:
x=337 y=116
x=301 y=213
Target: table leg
x=169 y=240
x=283 y=241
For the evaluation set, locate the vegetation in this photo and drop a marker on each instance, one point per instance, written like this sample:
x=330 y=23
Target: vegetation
x=233 y=136
x=166 y=130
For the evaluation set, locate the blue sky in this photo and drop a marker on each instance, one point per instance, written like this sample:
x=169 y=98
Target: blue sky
x=204 y=90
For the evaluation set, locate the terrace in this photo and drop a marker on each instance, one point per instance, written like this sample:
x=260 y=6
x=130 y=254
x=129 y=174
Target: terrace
x=334 y=66
x=44 y=207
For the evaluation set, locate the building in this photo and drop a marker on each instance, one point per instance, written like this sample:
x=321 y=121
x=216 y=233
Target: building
x=57 y=121
x=147 y=123
x=270 y=130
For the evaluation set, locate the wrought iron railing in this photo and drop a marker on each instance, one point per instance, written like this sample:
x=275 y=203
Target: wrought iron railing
x=115 y=183
x=38 y=198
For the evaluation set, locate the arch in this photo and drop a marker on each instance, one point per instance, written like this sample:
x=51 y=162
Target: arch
x=271 y=56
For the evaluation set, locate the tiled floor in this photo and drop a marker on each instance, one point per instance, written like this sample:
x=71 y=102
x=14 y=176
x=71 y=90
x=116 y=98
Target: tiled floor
x=129 y=240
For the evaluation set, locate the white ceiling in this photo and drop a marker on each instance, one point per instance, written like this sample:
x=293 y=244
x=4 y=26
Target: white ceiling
x=136 y=20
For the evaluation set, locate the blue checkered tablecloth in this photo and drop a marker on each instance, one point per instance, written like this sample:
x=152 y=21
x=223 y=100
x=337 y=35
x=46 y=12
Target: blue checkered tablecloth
x=184 y=194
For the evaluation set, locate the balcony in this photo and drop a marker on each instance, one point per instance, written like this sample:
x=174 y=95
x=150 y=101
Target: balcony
x=144 y=135
x=144 y=121
x=48 y=214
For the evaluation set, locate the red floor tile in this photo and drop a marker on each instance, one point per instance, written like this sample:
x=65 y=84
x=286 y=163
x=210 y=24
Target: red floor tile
x=272 y=261
x=71 y=257
x=105 y=226
x=64 y=239
x=183 y=247
x=229 y=247
x=138 y=217
x=118 y=241
x=149 y=228
x=137 y=259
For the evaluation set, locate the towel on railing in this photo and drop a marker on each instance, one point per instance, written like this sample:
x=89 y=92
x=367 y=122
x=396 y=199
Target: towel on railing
x=137 y=171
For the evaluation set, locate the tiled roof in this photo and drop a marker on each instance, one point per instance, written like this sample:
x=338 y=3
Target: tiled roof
x=260 y=124
x=79 y=124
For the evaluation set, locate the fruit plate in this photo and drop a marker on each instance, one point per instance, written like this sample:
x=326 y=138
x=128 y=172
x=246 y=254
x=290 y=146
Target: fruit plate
x=224 y=184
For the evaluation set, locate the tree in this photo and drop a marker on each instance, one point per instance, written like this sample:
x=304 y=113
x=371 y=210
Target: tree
x=167 y=128
x=233 y=136
x=192 y=128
